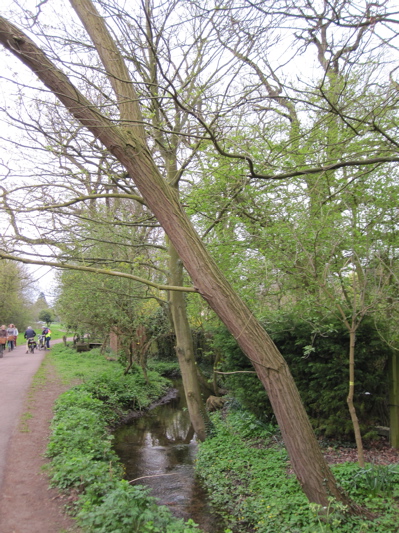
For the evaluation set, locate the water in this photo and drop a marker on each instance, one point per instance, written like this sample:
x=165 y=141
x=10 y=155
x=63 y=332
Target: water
x=158 y=450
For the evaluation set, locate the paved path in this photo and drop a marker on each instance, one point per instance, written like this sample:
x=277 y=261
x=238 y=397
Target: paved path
x=17 y=369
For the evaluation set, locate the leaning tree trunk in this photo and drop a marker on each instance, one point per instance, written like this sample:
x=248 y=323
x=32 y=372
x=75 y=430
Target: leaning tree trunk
x=127 y=144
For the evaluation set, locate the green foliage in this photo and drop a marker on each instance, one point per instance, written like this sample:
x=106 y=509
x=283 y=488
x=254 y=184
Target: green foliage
x=96 y=304
x=246 y=388
x=129 y=509
x=130 y=391
x=322 y=375
x=81 y=430
x=79 y=470
x=15 y=303
x=47 y=316
x=371 y=481
x=80 y=447
x=165 y=368
x=246 y=471
x=75 y=367
x=318 y=361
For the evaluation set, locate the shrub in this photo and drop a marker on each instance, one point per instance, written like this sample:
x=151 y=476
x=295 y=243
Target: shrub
x=319 y=365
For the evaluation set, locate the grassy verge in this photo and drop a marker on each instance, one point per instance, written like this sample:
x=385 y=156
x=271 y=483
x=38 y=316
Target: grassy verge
x=247 y=474
x=80 y=447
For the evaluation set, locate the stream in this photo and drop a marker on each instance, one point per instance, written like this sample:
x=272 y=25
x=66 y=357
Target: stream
x=160 y=449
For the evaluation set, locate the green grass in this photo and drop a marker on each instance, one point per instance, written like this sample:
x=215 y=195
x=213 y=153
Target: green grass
x=23 y=424
x=74 y=367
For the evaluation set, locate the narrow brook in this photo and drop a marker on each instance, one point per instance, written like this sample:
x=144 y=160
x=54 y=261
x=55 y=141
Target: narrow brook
x=162 y=446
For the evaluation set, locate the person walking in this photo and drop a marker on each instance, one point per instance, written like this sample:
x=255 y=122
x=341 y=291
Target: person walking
x=3 y=339
x=16 y=335
x=29 y=334
x=11 y=337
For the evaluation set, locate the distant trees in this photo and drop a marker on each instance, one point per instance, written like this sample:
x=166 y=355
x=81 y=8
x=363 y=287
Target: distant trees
x=16 y=287
x=47 y=316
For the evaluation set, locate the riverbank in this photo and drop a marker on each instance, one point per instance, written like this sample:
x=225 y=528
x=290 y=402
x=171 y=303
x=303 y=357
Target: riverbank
x=247 y=471
x=83 y=461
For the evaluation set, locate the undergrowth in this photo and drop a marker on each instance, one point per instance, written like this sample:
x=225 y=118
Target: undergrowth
x=82 y=458
x=246 y=471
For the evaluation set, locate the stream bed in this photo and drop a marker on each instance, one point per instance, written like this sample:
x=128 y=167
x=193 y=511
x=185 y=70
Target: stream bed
x=158 y=450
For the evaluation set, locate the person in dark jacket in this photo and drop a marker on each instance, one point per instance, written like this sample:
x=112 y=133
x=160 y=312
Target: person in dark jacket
x=29 y=334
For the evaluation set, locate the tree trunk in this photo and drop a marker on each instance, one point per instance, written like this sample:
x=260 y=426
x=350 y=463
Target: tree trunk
x=307 y=460
x=184 y=346
x=394 y=399
x=352 y=410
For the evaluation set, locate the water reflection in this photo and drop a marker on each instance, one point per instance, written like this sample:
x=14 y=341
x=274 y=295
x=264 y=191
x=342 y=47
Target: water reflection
x=158 y=450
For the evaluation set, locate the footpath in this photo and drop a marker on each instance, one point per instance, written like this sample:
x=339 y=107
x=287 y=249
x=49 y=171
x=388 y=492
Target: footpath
x=17 y=369
x=27 y=505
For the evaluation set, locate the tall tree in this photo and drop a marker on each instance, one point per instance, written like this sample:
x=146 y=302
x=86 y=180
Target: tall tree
x=126 y=139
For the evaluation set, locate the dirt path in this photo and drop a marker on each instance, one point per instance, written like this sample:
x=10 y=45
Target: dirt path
x=26 y=503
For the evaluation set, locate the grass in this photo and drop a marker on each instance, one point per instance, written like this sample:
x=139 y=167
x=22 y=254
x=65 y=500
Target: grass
x=74 y=367
x=24 y=426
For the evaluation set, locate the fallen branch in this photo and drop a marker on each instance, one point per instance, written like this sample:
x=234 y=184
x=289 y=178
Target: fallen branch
x=155 y=475
x=237 y=372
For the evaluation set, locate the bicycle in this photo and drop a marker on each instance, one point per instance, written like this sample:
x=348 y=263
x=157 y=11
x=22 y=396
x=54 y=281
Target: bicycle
x=32 y=345
x=41 y=342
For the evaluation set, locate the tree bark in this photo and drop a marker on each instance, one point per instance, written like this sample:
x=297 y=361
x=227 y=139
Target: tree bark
x=307 y=460
x=394 y=399
x=352 y=410
x=185 y=347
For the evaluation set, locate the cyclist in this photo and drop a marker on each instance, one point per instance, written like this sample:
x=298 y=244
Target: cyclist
x=29 y=334
x=47 y=335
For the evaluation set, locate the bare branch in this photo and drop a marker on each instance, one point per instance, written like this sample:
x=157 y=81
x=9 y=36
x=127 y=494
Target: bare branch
x=68 y=266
